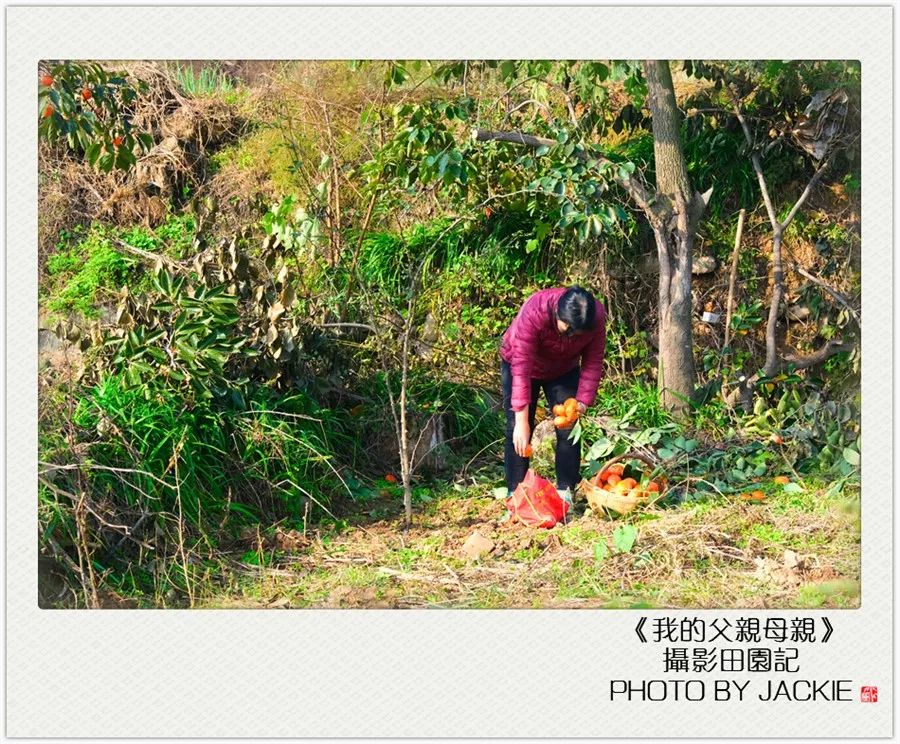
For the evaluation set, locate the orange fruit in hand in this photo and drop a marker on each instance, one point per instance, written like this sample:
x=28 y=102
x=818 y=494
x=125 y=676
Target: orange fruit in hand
x=48 y=112
x=560 y=422
x=528 y=451
x=46 y=80
x=782 y=480
x=559 y=410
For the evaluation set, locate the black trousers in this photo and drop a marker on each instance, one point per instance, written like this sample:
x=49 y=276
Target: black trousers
x=568 y=454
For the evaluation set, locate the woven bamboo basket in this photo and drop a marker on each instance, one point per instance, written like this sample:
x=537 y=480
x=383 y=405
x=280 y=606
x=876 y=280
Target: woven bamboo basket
x=600 y=499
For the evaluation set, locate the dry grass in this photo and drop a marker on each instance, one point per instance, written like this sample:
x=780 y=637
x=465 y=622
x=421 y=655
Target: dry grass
x=723 y=554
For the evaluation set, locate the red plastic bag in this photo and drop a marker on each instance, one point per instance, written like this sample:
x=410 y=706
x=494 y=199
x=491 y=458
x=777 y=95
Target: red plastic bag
x=536 y=503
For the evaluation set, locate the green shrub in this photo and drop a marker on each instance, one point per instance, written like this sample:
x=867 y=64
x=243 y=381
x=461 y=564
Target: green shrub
x=87 y=269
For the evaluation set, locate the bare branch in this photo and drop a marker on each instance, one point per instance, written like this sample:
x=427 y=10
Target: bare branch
x=806 y=192
x=733 y=276
x=805 y=361
x=755 y=160
x=833 y=292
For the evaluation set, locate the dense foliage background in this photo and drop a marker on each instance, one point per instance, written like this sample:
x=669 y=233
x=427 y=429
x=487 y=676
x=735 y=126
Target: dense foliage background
x=272 y=295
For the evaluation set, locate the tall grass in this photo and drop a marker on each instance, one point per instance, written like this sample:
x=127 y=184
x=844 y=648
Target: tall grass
x=137 y=479
x=208 y=81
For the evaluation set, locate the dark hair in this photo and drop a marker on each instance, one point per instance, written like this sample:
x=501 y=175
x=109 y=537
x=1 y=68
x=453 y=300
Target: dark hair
x=577 y=309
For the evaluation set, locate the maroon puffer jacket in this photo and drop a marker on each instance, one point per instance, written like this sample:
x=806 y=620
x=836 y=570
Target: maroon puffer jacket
x=536 y=350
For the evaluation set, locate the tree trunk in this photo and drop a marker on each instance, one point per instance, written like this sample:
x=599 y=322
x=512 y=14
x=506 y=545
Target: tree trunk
x=673 y=230
x=771 y=365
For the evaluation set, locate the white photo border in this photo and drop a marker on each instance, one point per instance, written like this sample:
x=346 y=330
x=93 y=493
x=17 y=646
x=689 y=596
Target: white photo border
x=334 y=673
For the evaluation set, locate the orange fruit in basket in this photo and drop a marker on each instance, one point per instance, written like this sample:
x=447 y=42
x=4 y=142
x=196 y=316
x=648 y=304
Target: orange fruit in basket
x=635 y=493
x=618 y=469
x=629 y=482
x=612 y=479
x=559 y=410
x=560 y=422
x=653 y=487
x=621 y=488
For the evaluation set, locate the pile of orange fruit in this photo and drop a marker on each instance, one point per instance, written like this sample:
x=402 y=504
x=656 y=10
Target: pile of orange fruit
x=613 y=479
x=565 y=414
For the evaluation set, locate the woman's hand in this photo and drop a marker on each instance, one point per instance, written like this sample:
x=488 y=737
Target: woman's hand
x=582 y=408
x=522 y=432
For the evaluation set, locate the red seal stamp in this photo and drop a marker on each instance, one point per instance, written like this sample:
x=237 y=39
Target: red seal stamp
x=868 y=694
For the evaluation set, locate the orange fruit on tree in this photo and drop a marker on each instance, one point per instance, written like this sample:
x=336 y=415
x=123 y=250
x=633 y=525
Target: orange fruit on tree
x=46 y=80
x=390 y=478
x=782 y=480
x=117 y=140
x=86 y=94
x=48 y=112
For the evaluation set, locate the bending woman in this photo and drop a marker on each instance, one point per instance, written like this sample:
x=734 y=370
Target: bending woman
x=556 y=342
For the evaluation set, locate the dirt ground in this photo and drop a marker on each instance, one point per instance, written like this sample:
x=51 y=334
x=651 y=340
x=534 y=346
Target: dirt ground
x=790 y=551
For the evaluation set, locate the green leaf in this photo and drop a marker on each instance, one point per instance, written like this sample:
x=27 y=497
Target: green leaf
x=601 y=448
x=92 y=153
x=531 y=245
x=793 y=488
x=542 y=150
x=601 y=551
x=851 y=456
x=508 y=69
x=624 y=537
